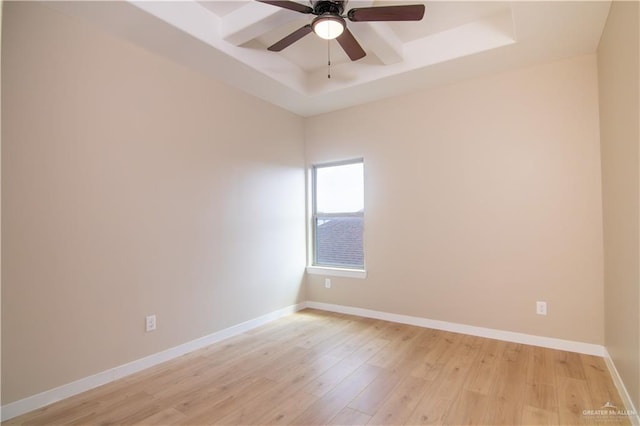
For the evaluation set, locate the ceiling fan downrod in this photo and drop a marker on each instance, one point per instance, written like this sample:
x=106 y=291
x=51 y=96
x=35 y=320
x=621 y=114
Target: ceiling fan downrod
x=328 y=58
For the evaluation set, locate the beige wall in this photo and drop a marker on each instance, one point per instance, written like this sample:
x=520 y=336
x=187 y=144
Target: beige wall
x=481 y=198
x=620 y=135
x=132 y=186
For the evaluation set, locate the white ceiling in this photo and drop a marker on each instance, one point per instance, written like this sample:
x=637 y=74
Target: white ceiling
x=455 y=40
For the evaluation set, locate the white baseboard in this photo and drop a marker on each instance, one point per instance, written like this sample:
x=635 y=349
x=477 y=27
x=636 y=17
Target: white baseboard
x=622 y=390
x=40 y=400
x=509 y=336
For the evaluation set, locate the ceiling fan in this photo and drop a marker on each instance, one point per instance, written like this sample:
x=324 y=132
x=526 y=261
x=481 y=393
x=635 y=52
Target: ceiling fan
x=330 y=23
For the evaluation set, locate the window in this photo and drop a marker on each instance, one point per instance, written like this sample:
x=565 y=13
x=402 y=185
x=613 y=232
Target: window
x=338 y=215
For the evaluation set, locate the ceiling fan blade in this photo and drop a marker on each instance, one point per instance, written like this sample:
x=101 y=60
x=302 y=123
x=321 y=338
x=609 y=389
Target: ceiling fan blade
x=351 y=45
x=291 y=5
x=413 y=12
x=291 y=38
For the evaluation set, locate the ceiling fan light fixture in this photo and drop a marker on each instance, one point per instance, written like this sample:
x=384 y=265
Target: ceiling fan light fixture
x=328 y=26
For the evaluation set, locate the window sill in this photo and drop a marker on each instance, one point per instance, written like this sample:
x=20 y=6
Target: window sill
x=337 y=272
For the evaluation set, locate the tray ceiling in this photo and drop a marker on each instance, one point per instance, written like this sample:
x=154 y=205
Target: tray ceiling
x=455 y=40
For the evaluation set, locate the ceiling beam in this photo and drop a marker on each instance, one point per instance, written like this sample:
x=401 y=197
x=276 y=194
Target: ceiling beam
x=253 y=20
x=381 y=41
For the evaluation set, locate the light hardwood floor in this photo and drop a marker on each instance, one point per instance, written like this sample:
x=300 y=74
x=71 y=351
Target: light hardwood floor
x=324 y=368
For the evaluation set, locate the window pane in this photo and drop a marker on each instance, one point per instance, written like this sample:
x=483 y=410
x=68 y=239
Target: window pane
x=339 y=242
x=339 y=189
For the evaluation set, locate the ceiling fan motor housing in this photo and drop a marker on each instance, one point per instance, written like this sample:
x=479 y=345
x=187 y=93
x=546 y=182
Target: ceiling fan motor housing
x=328 y=7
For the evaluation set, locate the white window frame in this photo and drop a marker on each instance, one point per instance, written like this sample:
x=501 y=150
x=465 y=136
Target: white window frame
x=330 y=270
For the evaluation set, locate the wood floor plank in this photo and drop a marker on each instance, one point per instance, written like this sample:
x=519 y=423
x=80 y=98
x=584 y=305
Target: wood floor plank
x=468 y=409
x=317 y=367
x=457 y=368
x=326 y=407
x=352 y=338
x=394 y=331
x=201 y=397
x=349 y=416
x=505 y=403
x=541 y=366
x=334 y=375
x=601 y=386
x=541 y=396
x=438 y=355
x=428 y=337
x=398 y=362
x=129 y=410
x=573 y=398
x=286 y=412
x=436 y=405
x=484 y=367
x=208 y=413
x=314 y=337
x=432 y=410
x=307 y=370
x=397 y=348
x=401 y=402
x=168 y=416
x=537 y=416
x=568 y=364
x=284 y=390
x=52 y=415
x=370 y=399
x=253 y=411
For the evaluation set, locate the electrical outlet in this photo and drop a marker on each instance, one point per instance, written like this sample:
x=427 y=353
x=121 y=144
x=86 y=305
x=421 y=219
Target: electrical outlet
x=150 y=323
x=327 y=283
x=541 y=308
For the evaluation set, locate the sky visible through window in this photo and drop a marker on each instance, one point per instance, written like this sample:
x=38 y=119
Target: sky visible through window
x=339 y=189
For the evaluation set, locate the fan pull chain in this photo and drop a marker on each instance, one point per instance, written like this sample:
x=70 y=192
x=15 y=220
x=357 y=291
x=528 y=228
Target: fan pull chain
x=328 y=58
